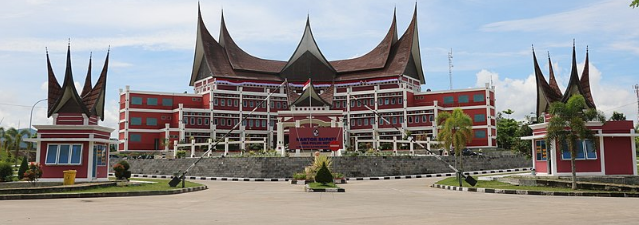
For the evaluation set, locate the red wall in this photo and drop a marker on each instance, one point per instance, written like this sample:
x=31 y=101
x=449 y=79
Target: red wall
x=618 y=155
x=563 y=166
x=55 y=171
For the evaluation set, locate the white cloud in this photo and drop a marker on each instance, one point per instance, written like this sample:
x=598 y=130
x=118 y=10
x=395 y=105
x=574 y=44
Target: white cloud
x=631 y=46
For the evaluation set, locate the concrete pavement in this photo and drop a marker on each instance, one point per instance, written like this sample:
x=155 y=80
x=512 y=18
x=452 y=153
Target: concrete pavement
x=409 y=201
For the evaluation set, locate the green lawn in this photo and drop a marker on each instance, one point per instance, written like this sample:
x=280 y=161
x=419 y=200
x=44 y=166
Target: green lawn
x=316 y=185
x=452 y=181
x=160 y=185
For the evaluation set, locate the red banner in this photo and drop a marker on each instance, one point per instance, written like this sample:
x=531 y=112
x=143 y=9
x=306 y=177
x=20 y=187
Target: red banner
x=314 y=138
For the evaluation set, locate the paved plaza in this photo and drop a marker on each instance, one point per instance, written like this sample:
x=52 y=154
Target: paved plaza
x=409 y=201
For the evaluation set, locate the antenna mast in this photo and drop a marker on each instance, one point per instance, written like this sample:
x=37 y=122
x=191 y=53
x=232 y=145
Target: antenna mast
x=450 y=68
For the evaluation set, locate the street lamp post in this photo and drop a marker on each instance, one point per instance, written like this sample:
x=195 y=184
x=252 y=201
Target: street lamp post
x=30 y=119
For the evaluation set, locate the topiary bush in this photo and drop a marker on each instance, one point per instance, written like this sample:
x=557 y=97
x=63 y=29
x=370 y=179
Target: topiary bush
x=122 y=170
x=6 y=172
x=323 y=175
x=23 y=168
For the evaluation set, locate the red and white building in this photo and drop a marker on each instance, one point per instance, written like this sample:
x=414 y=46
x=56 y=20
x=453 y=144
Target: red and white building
x=74 y=141
x=616 y=152
x=229 y=83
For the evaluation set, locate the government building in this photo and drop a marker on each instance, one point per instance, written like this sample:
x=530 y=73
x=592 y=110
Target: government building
x=373 y=97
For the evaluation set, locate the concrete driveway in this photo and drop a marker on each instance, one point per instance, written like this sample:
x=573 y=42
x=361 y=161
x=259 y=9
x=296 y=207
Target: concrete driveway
x=409 y=201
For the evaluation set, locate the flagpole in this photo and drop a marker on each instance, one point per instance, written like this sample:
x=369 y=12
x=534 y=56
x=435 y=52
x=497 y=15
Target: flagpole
x=310 y=110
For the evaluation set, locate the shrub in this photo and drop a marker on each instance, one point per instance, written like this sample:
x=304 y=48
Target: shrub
x=122 y=170
x=324 y=176
x=299 y=176
x=33 y=173
x=6 y=172
x=338 y=176
x=23 y=168
x=180 y=154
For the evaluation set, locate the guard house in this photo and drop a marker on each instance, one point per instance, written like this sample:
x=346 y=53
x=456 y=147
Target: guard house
x=616 y=154
x=74 y=141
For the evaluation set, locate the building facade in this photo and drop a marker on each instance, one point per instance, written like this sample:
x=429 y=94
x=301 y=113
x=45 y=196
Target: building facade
x=378 y=95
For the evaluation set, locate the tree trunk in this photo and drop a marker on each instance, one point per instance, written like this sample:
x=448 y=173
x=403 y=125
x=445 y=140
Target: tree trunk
x=574 y=172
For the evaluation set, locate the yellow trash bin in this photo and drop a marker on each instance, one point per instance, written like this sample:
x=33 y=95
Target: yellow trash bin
x=69 y=177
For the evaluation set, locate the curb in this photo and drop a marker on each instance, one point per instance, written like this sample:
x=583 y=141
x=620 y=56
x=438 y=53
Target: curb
x=347 y=179
x=309 y=189
x=546 y=193
x=99 y=195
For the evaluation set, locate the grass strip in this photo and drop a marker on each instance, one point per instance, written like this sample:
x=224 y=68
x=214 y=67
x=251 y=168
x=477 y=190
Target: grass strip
x=159 y=185
x=316 y=185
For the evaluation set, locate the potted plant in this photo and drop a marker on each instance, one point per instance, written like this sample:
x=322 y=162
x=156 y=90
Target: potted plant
x=339 y=178
x=299 y=178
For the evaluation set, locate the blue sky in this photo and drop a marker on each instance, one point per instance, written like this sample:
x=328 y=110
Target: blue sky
x=152 y=43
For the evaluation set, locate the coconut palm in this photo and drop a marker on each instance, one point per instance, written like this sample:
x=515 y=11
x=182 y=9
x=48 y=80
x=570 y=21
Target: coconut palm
x=455 y=129
x=568 y=125
x=14 y=139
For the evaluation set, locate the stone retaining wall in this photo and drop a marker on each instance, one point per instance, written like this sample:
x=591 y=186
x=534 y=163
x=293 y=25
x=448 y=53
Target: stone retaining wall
x=282 y=167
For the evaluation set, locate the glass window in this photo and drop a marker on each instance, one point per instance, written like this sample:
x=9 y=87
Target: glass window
x=480 y=117
x=278 y=105
x=263 y=123
x=359 y=122
x=352 y=122
x=400 y=100
x=480 y=134
x=185 y=120
x=431 y=118
x=214 y=121
x=393 y=101
x=449 y=100
x=192 y=120
x=410 y=119
x=135 y=137
x=152 y=101
x=250 y=123
x=371 y=102
x=235 y=121
x=372 y=121
x=272 y=105
x=235 y=102
x=222 y=102
x=590 y=150
x=401 y=119
x=136 y=100
x=478 y=98
x=52 y=154
x=540 y=150
x=100 y=151
x=215 y=101
x=228 y=122
x=251 y=104
x=359 y=103
x=337 y=104
x=244 y=102
x=416 y=119
x=229 y=101
x=380 y=101
x=394 y=120
x=76 y=153
x=257 y=123
x=223 y=122
x=167 y=102
x=206 y=121
x=352 y=103
x=199 y=121
x=424 y=119
x=463 y=99
x=386 y=101
x=365 y=122
x=381 y=121
x=136 y=121
x=151 y=121
x=243 y=122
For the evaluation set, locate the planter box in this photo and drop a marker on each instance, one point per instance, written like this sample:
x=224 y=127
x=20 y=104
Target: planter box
x=309 y=189
x=300 y=181
x=339 y=181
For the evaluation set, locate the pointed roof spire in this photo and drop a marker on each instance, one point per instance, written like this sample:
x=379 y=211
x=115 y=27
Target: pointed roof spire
x=69 y=101
x=308 y=61
x=95 y=99
x=87 y=81
x=54 y=89
x=545 y=94
x=315 y=98
x=574 y=84
x=223 y=31
x=585 y=82
x=552 y=81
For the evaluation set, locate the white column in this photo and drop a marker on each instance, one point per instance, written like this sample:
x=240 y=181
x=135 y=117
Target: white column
x=181 y=122
x=90 y=160
x=633 y=145
x=167 y=136
x=488 y=116
x=280 y=136
x=39 y=148
x=175 y=148
x=412 y=151
x=395 y=145
x=226 y=146
x=192 y=148
x=127 y=102
x=264 y=145
x=602 y=154
x=210 y=145
x=356 y=144
x=435 y=114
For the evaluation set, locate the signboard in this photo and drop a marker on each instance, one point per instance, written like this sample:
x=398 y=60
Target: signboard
x=314 y=138
x=335 y=145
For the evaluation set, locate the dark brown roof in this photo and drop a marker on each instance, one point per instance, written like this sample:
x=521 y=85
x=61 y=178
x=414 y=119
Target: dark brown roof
x=68 y=101
x=310 y=97
x=391 y=58
x=94 y=100
x=87 y=82
x=552 y=81
x=574 y=84
x=54 y=87
x=585 y=82
x=545 y=93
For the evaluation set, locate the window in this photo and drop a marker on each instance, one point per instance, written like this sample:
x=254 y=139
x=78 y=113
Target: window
x=372 y=121
x=393 y=101
x=359 y=103
x=263 y=123
x=185 y=120
x=250 y=123
x=371 y=102
x=272 y=105
x=365 y=122
x=223 y=122
x=263 y=104
x=257 y=123
x=278 y=105
x=352 y=103
x=192 y=120
x=235 y=121
x=199 y=121
x=585 y=150
x=235 y=102
x=244 y=103
x=136 y=121
x=410 y=119
x=167 y=102
x=463 y=99
x=337 y=104
x=229 y=101
x=151 y=121
x=478 y=98
x=386 y=101
x=214 y=121
x=135 y=137
x=206 y=121
x=400 y=100
x=431 y=118
x=243 y=122
x=394 y=120
x=100 y=151
x=215 y=101
x=359 y=122
x=136 y=100
x=352 y=122
x=480 y=117
x=480 y=134
x=228 y=121
x=540 y=150
x=424 y=119
x=152 y=101
x=416 y=119
x=222 y=102
x=401 y=119
x=64 y=154
x=449 y=100
x=251 y=104
x=380 y=101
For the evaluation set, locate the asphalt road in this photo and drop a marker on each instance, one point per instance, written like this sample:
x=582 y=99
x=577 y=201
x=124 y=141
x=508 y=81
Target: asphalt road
x=409 y=201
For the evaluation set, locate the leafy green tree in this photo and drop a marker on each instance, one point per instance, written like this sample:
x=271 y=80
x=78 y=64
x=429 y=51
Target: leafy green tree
x=507 y=130
x=568 y=125
x=634 y=3
x=617 y=116
x=15 y=137
x=455 y=130
x=523 y=147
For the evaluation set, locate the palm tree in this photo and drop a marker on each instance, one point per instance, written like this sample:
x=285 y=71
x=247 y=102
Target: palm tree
x=14 y=138
x=568 y=125
x=455 y=129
